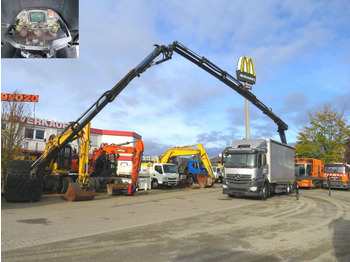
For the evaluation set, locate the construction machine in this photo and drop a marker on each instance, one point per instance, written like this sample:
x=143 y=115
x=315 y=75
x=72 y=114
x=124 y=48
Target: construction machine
x=103 y=168
x=24 y=179
x=204 y=179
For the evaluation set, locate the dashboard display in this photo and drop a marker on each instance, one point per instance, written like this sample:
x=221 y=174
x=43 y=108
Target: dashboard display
x=37 y=17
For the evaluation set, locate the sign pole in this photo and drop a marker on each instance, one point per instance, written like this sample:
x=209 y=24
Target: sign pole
x=247 y=131
x=247 y=135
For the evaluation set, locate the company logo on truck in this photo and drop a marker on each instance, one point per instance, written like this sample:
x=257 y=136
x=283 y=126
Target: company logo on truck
x=245 y=70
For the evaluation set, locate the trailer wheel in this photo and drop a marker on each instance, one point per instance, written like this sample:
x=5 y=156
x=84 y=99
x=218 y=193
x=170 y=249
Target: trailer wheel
x=20 y=186
x=65 y=184
x=288 y=190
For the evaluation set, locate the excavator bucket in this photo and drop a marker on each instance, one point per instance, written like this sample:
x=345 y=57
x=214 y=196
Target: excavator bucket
x=76 y=193
x=117 y=189
x=203 y=180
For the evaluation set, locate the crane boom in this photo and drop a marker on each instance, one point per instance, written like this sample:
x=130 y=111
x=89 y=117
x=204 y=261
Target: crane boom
x=167 y=52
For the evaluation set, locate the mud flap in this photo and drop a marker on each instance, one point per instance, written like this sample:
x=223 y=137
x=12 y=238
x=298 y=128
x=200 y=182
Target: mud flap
x=76 y=193
x=203 y=180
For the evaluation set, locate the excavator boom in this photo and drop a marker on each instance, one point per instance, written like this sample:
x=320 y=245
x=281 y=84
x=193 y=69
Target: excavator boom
x=188 y=150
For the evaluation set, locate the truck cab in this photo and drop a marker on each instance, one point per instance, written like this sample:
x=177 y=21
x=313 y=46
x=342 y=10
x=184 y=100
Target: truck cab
x=193 y=168
x=245 y=171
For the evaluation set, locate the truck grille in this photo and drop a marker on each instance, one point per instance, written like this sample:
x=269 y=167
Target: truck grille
x=336 y=178
x=238 y=178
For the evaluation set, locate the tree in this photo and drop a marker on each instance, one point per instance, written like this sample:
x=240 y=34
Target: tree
x=12 y=131
x=326 y=136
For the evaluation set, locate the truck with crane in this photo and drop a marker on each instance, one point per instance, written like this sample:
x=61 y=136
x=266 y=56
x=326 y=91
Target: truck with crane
x=24 y=179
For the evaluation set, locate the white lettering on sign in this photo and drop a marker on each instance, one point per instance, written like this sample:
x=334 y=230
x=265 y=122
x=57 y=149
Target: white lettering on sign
x=39 y=122
x=46 y=123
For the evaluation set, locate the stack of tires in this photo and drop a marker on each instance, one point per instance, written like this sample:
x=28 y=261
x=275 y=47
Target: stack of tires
x=20 y=185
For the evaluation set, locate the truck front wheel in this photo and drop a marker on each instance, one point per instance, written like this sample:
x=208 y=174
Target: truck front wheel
x=154 y=184
x=264 y=192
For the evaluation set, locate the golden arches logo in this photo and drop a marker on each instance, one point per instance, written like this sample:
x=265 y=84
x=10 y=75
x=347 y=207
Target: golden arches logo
x=245 y=70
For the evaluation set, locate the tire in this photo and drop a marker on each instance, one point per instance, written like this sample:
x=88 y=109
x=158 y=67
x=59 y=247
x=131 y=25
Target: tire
x=264 y=192
x=190 y=179
x=97 y=183
x=92 y=182
x=118 y=180
x=230 y=195
x=65 y=184
x=154 y=184
x=288 y=190
x=20 y=186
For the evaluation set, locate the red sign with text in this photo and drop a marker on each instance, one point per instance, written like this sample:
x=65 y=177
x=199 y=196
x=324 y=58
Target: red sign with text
x=19 y=97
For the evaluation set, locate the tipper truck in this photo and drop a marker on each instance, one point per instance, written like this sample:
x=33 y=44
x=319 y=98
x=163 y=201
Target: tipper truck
x=258 y=167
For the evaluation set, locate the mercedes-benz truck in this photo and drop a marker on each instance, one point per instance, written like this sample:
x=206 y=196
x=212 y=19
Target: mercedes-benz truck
x=258 y=167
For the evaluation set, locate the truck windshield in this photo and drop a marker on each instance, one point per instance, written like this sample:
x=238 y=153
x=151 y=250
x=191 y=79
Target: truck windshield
x=241 y=160
x=170 y=169
x=334 y=169
x=302 y=170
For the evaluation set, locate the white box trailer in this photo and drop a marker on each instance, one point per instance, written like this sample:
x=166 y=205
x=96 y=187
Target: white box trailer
x=258 y=167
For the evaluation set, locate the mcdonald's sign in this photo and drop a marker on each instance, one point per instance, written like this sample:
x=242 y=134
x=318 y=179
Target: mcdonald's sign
x=245 y=70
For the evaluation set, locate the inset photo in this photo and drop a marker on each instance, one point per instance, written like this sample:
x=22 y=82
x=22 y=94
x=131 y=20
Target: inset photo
x=39 y=29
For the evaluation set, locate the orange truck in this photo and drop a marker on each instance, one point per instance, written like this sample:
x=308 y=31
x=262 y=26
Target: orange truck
x=337 y=174
x=309 y=172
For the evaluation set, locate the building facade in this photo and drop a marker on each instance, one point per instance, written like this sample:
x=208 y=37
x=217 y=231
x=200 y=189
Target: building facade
x=38 y=131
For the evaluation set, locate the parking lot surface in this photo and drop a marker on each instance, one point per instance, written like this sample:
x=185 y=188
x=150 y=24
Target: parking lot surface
x=179 y=225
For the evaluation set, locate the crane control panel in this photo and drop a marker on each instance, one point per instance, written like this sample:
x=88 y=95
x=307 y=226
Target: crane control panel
x=38 y=29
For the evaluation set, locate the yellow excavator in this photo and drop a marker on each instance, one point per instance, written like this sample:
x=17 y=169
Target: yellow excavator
x=191 y=169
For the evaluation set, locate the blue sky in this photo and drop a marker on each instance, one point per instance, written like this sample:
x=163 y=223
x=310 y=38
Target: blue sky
x=301 y=52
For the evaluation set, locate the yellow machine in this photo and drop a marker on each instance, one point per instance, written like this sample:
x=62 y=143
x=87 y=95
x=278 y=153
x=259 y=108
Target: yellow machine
x=202 y=179
x=81 y=189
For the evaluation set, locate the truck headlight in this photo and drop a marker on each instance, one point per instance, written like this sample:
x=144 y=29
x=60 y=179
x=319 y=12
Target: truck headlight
x=253 y=188
x=224 y=186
